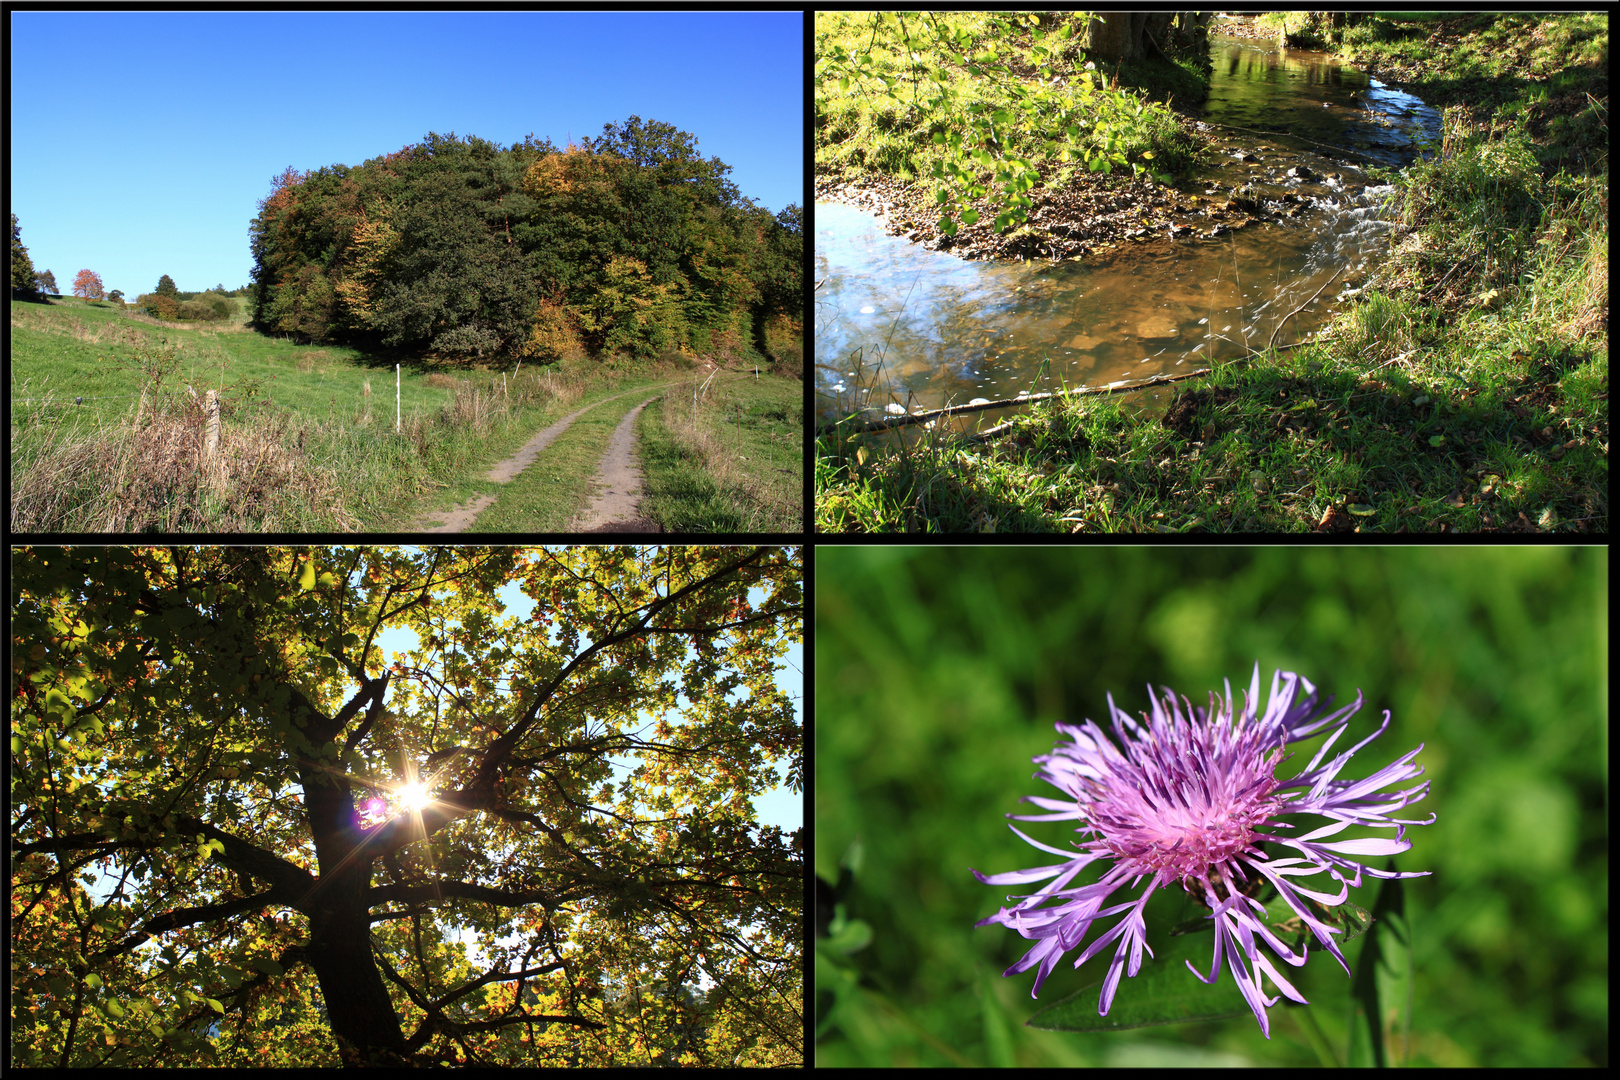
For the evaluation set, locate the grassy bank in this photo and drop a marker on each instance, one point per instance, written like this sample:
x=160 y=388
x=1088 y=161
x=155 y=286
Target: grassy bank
x=1466 y=389
x=106 y=435
x=865 y=130
x=726 y=455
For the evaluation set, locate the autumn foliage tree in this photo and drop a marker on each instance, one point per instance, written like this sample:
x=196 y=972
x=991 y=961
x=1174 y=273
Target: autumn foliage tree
x=246 y=832
x=88 y=285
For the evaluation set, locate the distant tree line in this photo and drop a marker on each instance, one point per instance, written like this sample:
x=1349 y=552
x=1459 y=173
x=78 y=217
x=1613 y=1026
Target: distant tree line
x=630 y=243
x=164 y=302
x=25 y=284
x=168 y=302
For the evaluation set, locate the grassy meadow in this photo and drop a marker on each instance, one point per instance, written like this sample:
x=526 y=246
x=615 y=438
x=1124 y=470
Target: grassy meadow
x=106 y=435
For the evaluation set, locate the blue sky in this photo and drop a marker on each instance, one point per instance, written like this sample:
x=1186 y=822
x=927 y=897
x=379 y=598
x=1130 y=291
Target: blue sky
x=142 y=142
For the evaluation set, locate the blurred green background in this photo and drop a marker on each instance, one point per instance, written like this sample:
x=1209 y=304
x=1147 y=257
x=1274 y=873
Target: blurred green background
x=939 y=673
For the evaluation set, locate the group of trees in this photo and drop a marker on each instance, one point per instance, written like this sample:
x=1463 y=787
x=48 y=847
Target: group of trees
x=168 y=302
x=628 y=243
x=28 y=284
x=25 y=283
x=164 y=302
x=244 y=833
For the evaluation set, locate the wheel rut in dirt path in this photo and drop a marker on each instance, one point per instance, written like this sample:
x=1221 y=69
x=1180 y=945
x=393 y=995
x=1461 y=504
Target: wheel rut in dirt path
x=462 y=517
x=614 y=509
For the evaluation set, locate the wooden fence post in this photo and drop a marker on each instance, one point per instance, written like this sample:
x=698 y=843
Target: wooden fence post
x=212 y=467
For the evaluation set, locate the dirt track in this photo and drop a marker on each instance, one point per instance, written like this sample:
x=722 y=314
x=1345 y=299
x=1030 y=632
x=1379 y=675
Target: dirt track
x=613 y=511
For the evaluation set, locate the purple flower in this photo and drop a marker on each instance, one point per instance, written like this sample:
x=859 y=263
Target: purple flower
x=1189 y=797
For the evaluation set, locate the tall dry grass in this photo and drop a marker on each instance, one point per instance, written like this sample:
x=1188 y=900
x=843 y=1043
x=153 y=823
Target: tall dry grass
x=697 y=426
x=145 y=474
x=280 y=471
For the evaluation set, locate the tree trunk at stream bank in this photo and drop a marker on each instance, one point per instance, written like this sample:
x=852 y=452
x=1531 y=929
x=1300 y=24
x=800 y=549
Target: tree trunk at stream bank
x=1139 y=35
x=1117 y=36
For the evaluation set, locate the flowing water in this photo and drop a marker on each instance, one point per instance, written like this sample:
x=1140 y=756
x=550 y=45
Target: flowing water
x=899 y=326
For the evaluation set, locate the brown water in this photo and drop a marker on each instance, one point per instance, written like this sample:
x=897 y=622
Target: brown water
x=899 y=326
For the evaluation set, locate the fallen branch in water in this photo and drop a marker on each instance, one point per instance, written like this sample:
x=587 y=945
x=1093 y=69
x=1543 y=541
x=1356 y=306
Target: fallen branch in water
x=1025 y=399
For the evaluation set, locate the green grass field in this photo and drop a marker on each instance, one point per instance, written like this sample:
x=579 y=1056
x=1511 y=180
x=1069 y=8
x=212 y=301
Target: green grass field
x=106 y=435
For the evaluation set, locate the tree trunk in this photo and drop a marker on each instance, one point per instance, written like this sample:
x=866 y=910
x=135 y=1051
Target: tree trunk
x=340 y=952
x=1118 y=36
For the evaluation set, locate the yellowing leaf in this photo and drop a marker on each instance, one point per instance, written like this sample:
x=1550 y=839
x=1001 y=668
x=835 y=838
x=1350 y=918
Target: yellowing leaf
x=306 y=577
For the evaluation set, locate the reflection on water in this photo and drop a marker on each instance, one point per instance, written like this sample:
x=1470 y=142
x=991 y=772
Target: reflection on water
x=948 y=331
x=1308 y=97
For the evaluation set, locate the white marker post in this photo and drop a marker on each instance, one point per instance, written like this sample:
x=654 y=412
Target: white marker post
x=396 y=399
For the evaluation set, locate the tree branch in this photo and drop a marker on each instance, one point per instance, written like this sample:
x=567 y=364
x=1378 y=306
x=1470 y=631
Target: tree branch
x=174 y=920
x=422 y=892
x=358 y=736
x=1025 y=399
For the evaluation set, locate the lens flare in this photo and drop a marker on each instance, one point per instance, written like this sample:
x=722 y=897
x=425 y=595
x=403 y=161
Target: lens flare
x=414 y=796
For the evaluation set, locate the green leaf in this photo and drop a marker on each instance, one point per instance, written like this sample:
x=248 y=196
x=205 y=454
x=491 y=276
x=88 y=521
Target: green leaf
x=1381 y=989
x=306 y=577
x=266 y=965
x=1162 y=992
x=970 y=216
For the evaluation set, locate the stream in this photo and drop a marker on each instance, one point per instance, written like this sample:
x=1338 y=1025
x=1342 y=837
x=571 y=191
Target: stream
x=900 y=327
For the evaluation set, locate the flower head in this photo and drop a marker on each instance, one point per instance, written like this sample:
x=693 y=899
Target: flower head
x=1189 y=796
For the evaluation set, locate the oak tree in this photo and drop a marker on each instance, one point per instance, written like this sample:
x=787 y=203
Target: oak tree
x=244 y=833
